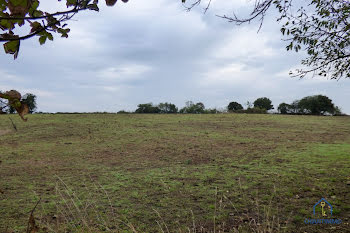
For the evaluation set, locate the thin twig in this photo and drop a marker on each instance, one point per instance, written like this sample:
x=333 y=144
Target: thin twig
x=31 y=215
x=13 y=124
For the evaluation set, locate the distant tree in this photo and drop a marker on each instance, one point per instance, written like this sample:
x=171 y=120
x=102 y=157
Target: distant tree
x=30 y=100
x=147 y=108
x=234 y=106
x=11 y=109
x=294 y=107
x=316 y=105
x=284 y=108
x=212 y=111
x=167 y=108
x=338 y=111
x=249 y=104
x=263 y=103
x=200 y=106
x=189 y=103
x=193 y=108
x=122 y=112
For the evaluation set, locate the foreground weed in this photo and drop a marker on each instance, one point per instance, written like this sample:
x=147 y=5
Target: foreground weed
x=77 y=213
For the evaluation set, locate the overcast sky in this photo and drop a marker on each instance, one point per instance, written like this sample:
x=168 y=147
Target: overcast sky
x=154 y=51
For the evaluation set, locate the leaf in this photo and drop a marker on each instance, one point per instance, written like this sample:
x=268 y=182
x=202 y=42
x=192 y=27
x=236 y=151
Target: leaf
x=49 y=36
x=18 y=2
x=12 y=47
x=63 y=32
x=71 y=3
x=36 y=26
x=18 y=7
x=3 y=5
x=37 y=13
x=23 y=110
x=13 y=94
x=93 y=7
x=14 y=98
x=42 y=39
x=110 y=2
x=5 y=24
x=35 y=5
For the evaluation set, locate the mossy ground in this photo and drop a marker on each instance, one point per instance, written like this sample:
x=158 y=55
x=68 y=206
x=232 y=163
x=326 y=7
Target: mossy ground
x=174 y=171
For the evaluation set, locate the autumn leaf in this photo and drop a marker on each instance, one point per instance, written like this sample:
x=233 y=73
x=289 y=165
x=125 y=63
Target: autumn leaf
x=23 y=110
x=14 y=98
x=12 y=47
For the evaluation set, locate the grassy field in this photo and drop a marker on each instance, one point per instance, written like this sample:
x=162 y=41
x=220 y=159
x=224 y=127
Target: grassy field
x=173 y=173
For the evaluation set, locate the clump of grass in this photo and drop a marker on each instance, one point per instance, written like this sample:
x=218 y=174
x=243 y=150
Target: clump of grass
x=260 y=218
x=82 y=213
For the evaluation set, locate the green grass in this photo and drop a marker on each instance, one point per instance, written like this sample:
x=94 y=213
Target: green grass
x=176 y=170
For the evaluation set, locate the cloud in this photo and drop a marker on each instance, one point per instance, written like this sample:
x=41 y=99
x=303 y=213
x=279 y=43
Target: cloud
x=8 y=77
x=124 y=72
x=155 y=51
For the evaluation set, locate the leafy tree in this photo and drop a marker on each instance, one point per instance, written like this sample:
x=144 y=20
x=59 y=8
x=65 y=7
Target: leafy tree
x=16 y=13
x=212 y=111
x=321 y=27
x=294 y=107
x=147 y=108
x=30 y=100
x=193 y=108
x=122 y=112
x=11 y=110
x=234 y=106
x=316 y=105
x=167 y=108
x=338 y=112
x=263 y=103
x=249 y=104
x=284 y=108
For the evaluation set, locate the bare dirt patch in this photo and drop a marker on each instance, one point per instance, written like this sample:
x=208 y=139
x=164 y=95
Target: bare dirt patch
x=4 y=131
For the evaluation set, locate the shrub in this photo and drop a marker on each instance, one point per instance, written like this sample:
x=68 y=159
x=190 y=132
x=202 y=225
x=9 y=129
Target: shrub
x=234 y=106
x=263 y=103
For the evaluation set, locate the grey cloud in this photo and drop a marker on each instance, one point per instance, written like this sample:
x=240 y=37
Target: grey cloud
x=91 y=69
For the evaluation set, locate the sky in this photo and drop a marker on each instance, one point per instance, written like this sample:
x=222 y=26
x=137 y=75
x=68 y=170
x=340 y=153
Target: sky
x=155 y=51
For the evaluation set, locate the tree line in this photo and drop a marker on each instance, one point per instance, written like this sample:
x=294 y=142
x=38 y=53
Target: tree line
x=310 y=105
